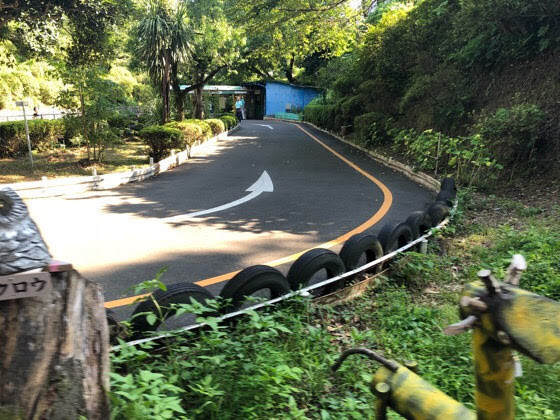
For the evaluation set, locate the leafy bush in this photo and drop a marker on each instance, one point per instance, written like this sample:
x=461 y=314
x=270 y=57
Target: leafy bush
x=229 y=121
x=467 y=158
x=217 y=125
x=371 y=128
x=515 y=133
x=72 y=128
x=191 y=132
x=42 y=134
x=162 y=140
x=206 y=129
x=120 y=120
x=320 y=115
x=347 y=110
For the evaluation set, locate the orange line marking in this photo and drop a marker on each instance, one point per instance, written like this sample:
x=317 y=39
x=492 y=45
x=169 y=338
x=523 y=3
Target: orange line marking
x=379 y=214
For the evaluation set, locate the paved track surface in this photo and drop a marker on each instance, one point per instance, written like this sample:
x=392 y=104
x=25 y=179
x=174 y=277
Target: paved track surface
x=119 y=238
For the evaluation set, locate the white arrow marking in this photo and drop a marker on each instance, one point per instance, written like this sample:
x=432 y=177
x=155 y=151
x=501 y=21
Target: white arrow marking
x=263 y=184
x=266 y=125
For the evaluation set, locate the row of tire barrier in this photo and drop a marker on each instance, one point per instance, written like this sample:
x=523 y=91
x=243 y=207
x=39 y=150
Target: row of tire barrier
x=341 y=270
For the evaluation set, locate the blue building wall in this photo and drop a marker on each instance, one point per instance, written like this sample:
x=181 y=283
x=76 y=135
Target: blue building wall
x=280 y=97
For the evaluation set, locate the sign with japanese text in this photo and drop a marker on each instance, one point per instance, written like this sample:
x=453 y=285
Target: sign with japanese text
x=17 y=286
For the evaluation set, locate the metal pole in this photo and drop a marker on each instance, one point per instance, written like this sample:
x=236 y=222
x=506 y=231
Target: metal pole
x=27 y=134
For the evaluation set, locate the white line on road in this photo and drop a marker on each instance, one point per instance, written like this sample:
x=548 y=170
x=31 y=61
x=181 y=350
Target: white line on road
x=266 y=125
x=263 y=184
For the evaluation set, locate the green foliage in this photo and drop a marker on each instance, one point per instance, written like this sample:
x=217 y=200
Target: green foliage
x=229 y=121
x=436 y=64
x=145 y=394
x=517 y=134
x=191 y=132
x=161 y=140
x=540 y=246
x=204 y=126
x=321 y=115
x=467 y=158
x=42 y=134
x=216 y=125
x=371 y=129
x=502 y=31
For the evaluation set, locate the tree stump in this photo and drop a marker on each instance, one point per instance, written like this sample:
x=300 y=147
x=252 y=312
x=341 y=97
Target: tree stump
x=54 y=353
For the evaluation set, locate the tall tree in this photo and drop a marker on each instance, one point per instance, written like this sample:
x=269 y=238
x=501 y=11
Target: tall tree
x=282 y=36
x=86 y=61
x=153 y=36
x=215 y=45
x=161 y=38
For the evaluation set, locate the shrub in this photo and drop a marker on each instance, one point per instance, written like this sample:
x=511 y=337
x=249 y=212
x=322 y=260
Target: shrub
x=191 y=132
x=229 y=121
x=468 y=158
x=347 y=110
x=371 y=128
x=206 y=129
x=72 y=128
x=42 y=134
x=320 y=115
x=120 y=121
x=515 y=133
x=161 y=140
x=217 y=125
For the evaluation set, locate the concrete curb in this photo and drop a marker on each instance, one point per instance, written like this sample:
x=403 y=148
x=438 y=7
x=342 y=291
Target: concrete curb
x=74 y=185
x=419 y=177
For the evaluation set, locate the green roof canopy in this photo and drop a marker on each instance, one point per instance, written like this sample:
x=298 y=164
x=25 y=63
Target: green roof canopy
x=220 y=89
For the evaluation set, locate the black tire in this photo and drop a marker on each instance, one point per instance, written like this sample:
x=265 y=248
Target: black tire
x=419 y=222
x=175 y=293
x=445 y=197
x=114 y=326
x=251 y=280
x=314 y=260
x=394 y=237
x=438 y=211
x=358 y=245
x=448 y=184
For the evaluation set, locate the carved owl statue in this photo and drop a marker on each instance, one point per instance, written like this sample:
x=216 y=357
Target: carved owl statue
x=21 y=245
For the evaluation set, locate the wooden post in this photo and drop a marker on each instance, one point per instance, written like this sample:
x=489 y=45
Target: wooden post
x=54 y=357
x=54 y=339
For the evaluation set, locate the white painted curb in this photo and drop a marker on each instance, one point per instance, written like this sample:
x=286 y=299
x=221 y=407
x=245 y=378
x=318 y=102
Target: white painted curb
x=73 y=185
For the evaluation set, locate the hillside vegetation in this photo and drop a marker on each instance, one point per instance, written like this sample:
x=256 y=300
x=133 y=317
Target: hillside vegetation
x=478 y=75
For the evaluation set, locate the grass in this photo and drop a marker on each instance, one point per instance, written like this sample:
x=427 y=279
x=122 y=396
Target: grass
x=72 y=162
x=275 y=363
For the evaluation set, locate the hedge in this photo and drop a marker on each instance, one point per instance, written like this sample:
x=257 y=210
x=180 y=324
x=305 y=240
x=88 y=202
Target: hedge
x=321 y=115
x=217 y=125
x=206 y=129
x=42 y=133
x=162 y=140
x=229 y=121
x=191 y=132
x=371 y=128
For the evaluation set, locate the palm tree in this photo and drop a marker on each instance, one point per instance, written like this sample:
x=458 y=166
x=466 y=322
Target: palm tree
x=161 y=43
x=180 y=37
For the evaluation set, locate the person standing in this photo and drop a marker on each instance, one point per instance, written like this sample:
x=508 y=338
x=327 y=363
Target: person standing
x=243 y=115
x=238 y=108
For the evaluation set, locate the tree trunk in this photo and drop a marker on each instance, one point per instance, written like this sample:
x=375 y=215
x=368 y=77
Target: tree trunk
x=165 y=91
x=198 y=103
x=290 y=70
x=178 y=94
x=84 y=122
x=54 y=355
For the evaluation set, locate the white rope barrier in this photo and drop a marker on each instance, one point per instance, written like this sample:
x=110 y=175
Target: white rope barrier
x=301 y=292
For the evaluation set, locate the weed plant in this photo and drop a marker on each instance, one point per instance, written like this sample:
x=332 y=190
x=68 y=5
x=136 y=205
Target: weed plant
x=275 y=363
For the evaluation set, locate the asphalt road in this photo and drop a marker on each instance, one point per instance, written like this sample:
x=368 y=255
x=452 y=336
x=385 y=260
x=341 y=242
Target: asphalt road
x=123 y=236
